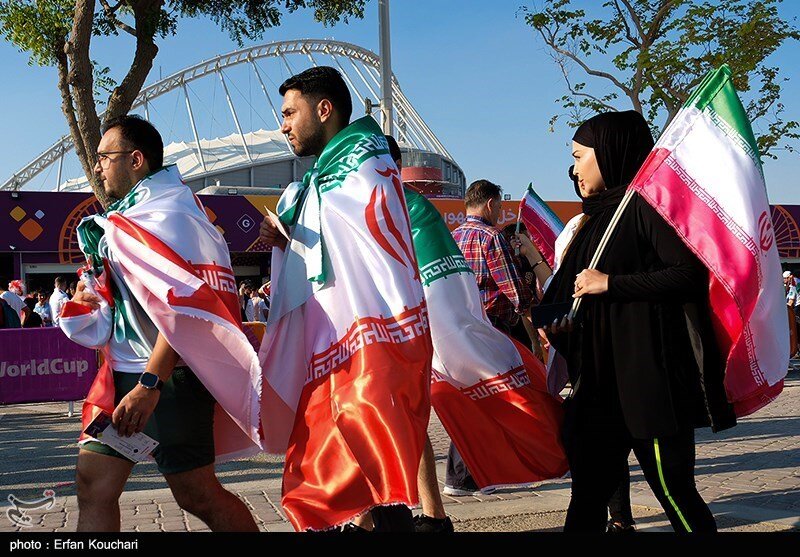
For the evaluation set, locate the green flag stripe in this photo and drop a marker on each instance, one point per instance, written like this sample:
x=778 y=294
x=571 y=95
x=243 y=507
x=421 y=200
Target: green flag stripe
x=717 y=97
x=441 y=268
x=433 y=242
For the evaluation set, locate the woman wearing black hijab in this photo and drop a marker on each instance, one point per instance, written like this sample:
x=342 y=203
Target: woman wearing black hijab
x=641 y=354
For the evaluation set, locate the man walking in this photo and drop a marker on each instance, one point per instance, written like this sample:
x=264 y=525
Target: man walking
x=58 y=298
x=503 y=290
x=164 y=312
x=348 y=345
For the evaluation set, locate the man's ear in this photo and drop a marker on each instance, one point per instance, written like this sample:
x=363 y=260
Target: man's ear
x=138 y=160
x=324 y=110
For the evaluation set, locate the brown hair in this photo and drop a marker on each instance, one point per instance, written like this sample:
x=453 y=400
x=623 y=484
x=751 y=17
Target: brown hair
x=481 y=191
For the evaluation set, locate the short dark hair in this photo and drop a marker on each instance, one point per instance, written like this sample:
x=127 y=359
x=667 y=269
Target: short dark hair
x=322 y=82
x=140 y=135
x=481 y=191
x=394 y=149
x=512 y=228
x=4 y=283
x=61 y=281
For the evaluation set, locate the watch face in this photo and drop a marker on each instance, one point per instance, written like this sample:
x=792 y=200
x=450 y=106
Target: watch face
x=149 y=380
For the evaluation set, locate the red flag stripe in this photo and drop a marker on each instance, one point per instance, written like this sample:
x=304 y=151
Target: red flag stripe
x=204 y=298
x=703 y=230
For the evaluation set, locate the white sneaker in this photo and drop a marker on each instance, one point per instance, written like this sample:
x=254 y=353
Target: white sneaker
x=456 y=492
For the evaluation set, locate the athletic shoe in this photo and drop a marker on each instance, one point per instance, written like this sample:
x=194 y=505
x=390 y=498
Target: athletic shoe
x=423 y=523
x=351 y=528
x=465 y=492
x=619 y=528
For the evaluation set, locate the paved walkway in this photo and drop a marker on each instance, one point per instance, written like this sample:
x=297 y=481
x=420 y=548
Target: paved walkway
x=750 y=475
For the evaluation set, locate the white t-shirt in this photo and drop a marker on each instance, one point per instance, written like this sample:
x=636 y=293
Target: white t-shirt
x=15 y=301
x=57 y=300
x=124 y=359
x=44 y=312
x=255 y=310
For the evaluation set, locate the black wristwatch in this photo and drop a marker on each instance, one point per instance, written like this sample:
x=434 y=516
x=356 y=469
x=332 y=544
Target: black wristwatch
x=150 y=381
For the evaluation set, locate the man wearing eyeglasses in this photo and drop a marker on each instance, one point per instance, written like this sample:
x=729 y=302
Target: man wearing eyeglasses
x=163 y=309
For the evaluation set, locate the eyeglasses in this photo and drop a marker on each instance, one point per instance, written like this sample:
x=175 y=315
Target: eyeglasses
x=104 y=159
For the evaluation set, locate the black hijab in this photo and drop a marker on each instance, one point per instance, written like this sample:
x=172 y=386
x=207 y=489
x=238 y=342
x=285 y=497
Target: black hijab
x=621 y=141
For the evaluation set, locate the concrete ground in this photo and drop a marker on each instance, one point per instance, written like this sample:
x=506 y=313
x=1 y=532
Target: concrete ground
x=749 y=475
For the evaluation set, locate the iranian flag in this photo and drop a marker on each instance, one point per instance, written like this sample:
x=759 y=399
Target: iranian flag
x=166 y=269
x=704 y=177
x=489 y=391
x=347 y=352
x=542 y=223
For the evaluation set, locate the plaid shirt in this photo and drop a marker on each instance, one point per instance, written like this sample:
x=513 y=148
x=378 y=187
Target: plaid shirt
x=503 y=290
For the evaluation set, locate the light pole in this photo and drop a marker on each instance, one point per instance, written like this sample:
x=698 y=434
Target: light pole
x=386 y=67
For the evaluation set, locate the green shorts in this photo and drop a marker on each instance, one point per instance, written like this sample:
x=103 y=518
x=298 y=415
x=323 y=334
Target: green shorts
x=182 y=423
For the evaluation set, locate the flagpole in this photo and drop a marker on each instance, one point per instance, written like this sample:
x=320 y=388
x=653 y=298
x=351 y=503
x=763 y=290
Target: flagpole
x=519 y=216
x=601 y=247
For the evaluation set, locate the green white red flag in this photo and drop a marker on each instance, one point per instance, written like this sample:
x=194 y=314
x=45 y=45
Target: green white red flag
x=347 y=352
x=704 y=177
x=489 y=391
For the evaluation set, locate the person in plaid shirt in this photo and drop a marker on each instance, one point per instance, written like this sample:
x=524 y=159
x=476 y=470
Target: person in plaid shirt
x=504 y=293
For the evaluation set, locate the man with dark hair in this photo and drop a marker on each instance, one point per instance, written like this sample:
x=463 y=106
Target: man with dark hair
x=504 y=294
x=58 y=298
x=311 y=98
x=169 y=331
x=347 y=267
x=132 y=141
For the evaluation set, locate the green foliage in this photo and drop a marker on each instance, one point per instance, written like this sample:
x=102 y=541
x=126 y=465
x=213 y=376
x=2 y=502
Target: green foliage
x=251 y=18
x=655 y=52
x=39 y=28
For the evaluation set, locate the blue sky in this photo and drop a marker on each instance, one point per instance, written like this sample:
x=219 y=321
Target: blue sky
x=474 y=71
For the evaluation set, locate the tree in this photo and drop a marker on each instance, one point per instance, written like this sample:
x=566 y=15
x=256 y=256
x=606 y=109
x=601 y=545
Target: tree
x=653 y=54
x=59 y=33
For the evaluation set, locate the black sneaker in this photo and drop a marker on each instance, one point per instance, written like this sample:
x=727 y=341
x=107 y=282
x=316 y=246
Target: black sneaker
x=619 y=528
x=351 y=528
x=423 y=523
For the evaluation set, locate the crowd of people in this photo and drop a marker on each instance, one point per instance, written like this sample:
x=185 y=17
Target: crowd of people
x=643 y=367
x=37 y=308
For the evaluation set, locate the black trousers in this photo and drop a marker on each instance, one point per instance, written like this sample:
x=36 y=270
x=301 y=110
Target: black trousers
x=619 y=506
x=598 y=444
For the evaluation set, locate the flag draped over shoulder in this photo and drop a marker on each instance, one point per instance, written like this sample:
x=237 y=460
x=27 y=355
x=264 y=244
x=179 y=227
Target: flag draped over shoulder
x=489 y=391
x=542 y=223
x=704 y=177
x=347 y=352
x=158 y=247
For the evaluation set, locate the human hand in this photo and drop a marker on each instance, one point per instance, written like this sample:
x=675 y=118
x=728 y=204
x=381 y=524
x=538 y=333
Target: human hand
x=563 y=326
x=131 y=414
x=84 y=297
x=526 y=246
x=590 y=281
x=270 y=234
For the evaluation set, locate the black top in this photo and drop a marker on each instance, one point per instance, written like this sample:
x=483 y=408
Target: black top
x=646 y=347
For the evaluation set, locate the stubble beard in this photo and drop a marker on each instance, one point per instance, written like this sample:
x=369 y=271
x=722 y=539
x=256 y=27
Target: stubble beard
x=313 y=145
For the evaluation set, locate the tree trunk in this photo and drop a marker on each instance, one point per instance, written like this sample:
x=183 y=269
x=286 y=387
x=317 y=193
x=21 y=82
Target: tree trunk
x=81 y=83
x=125 y=93
x=69 y=113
